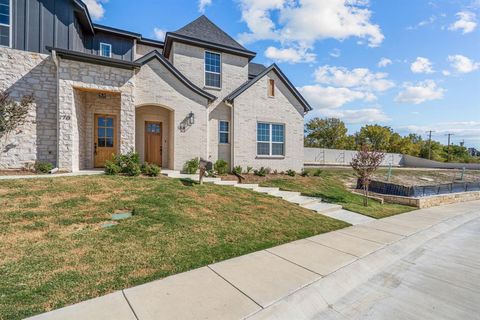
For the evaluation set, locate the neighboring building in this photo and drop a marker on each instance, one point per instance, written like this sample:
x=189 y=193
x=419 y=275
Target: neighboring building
x=473 y=152
x=100 y=91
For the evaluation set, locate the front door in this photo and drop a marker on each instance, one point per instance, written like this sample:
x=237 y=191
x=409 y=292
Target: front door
x=153 y=142
x=105 y=144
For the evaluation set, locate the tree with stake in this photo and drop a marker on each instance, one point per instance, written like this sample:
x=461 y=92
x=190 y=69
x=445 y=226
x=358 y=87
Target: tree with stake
x=365 y=163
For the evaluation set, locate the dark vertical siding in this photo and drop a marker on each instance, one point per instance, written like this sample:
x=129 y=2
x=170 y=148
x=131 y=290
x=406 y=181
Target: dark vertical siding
x=38 y=24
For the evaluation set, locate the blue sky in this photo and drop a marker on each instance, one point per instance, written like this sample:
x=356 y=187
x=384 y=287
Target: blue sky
x=413 y=65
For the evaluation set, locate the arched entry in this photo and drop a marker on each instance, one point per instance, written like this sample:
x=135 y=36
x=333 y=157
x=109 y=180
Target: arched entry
x=154 y=132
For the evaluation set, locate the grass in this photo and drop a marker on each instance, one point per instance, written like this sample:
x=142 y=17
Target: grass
x=330 y=186
x=53 y=251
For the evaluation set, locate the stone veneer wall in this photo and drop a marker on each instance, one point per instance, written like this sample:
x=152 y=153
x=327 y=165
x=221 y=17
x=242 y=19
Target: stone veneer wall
x=24 y=73
x=254 y=105
x=75 y=75
x=190 y=61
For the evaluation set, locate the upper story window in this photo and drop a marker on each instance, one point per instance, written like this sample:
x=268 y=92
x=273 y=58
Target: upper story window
x=5 y=23
x=224 y=132
x=213 y=72
x=270 y=139
x=271 y=88
x=105 y=49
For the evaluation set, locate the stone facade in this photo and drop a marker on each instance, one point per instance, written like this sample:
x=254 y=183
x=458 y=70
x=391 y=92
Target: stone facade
x=23 y=73
x=253 y=106
x=68 y=94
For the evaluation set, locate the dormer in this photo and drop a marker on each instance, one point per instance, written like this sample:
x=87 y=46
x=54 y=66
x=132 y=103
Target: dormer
x=208 y=56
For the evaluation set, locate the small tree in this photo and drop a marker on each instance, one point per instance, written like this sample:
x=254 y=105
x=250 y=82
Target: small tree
x=365 y=163
x=13 y=114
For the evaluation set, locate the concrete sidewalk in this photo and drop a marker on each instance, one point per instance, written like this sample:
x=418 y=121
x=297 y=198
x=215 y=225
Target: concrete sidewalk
x=293 y=281
x=56 y=175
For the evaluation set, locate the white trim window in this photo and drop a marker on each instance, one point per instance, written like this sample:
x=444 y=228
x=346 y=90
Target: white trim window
x=270 y=139
x=5 y=23
x=223 y=132
x=213 y=69
x=105 y=49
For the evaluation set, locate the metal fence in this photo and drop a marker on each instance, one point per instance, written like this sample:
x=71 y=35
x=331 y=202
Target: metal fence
x=420 y=191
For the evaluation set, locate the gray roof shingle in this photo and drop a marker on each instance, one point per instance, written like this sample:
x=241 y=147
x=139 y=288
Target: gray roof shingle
x=254 y=69
x=204 y=29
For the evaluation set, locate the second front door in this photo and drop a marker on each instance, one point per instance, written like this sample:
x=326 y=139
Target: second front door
x=153 y=142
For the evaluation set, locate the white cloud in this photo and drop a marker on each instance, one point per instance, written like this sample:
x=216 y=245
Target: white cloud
x=418 y=93
x=301 y=23
x=462 y=64
x=335 y=53
x=202 y=4
x=330 y=97
x=384 y=62
x=95 y=8
x=359 y=78
x=289 y=55
x=446 y=73
x=159 y=34
x=466 y=22
x=421 y=65
x=363 y=116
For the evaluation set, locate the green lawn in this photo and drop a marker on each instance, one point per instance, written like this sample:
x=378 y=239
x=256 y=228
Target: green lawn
x=53 y=251
x=330 y=186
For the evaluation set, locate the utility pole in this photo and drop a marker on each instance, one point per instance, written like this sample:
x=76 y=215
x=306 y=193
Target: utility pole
x=448 y=148
x=430 y=144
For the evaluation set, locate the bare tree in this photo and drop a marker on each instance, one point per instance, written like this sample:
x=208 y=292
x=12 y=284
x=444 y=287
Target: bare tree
x=13 y=114
x=365 y=163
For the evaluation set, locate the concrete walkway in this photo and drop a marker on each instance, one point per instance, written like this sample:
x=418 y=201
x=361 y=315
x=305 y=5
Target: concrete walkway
x=299 y=280
x=56 y=175
x=312 y=203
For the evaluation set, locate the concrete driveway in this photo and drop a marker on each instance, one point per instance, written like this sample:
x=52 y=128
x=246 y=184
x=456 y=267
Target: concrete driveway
x=419 y=265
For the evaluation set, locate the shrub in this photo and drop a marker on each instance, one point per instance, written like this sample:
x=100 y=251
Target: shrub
x=317 y=173
x=291 y=173
x=129 y=163
x=221 y=167
x=237 y=170
x=262 y=172
x=112 y=168
x=249 y=169
x=43 y=167
x=211 y=174
x=305 y=173
x=151 y=170
x=191 y=166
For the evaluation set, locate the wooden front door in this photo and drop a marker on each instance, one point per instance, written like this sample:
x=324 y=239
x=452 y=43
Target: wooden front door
x=105 y=144
x=153 y=142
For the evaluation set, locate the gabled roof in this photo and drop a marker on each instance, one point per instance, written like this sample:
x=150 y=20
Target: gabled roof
x=157 y=55
x=254 y=69
x=237 y=92
x=204 y=32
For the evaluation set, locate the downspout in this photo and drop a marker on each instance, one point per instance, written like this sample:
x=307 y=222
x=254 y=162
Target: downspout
x=56 y=61
x=232 y=130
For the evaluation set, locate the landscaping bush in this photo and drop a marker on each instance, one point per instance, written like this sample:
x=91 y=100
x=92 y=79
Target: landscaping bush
x=317 y=173
x=191 y=166
x=221 y=167
x=43 y=167
x=129 y=164
x=291 y=173
x=112 y=168
x=249 y=169
x=262 y=172
x=305 y=173
x=151 y=170
x=237 y=170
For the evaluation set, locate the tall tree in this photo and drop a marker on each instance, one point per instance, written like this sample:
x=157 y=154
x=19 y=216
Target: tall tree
x=326 y=133
x=376 y=136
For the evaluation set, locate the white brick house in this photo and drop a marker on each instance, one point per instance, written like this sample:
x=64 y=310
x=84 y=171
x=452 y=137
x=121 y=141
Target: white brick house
x=195 y=95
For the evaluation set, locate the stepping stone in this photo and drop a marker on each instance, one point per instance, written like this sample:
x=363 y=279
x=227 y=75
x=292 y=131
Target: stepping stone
x=322 y=207
x=266 y=190
x=247 y=186
x=313 y=256
x=208 y=179
x=303 y=200
x=286 y=195
x=226 y=183
x=348 y=216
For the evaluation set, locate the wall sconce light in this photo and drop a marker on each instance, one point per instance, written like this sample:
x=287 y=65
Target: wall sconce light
x=191 y=118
